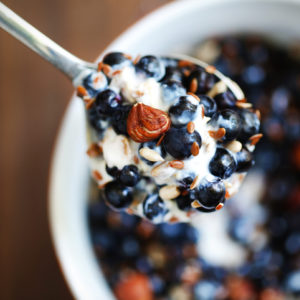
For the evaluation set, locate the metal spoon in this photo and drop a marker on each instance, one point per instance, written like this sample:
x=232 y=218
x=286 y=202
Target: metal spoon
x=74 y=67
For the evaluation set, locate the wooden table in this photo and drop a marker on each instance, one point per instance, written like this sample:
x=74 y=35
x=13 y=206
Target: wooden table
x=33 y=97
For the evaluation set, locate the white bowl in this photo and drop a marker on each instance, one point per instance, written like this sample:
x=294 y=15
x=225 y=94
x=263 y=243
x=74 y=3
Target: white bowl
x=176 y=27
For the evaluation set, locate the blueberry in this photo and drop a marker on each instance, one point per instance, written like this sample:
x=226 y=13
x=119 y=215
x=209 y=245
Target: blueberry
x=116 y=60
x=249 y=125
x=106 y=102
x=222 y=164
x=205 y=81
x=96 y=120
x=174 y=74
x=184 y=202
x=244 y=160
x=229 y=120
x=113 y=171
x=154 y=208
x=178 y=142
x=152 y=145
x=184 y=110
x=119 y=118
x=210 y=194
x=129 y=175
x=118 y=196
x=210 y=106
x=151 y=66
x=225 y=100
x=171 y=90
x=94 y=83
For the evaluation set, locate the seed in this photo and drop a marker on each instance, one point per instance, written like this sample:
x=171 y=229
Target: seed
x=196 y=204
x=195 y=149
x=194 y=85
x=150 y=154
x=184 y=63
x=217 y=134
x=94 y=150
x=97 y=175
x=194 y=183
x=88 y=102
x=81 y=91
x=169 y=192
x=243 y=104
x=257 y=112
x=255 y=138
x=194 y=95
x=227 y=194
x=210 y=69
x=100 y=66
x=234 y=146
x=219 y=206
x=177 y=164
x=160 y=140
x=136 y=60
x=190 y=127
x=106 y=69
x=218 y=88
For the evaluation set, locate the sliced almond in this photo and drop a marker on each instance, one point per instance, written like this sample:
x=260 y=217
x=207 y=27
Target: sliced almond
x=234 y=146
x=218 y=88
x=169 y=192
x=194 y=183
x=150 y=154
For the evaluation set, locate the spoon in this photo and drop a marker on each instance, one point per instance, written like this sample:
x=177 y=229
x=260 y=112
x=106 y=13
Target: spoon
x=72 y=66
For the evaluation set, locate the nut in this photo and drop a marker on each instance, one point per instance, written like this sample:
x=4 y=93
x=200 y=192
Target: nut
x=146 y=123
x=150 y=154
x=169 y=192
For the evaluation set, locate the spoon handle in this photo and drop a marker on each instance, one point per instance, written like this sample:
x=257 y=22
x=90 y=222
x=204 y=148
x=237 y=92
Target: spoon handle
x=69 y=64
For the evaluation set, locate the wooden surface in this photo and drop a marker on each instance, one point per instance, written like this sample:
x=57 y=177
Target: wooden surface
x=33 y=97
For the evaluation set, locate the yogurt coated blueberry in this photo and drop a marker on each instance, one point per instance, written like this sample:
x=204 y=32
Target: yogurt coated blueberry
x=164 y=147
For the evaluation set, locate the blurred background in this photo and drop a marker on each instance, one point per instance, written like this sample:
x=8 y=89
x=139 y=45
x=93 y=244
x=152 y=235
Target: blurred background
x=33 y=97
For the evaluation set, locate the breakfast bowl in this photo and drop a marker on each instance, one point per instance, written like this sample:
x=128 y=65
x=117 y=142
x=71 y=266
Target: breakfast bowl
x=178 y=27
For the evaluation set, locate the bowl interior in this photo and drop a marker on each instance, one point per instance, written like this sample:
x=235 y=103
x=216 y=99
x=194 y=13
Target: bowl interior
x=175 y=28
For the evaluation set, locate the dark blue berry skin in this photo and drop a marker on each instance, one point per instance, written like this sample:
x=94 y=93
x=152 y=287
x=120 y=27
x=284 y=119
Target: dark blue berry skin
x=154 y=208
x=210 y=194
x=244 y=160
x=250 y=125
x=113 y=171
x=178 y=142
x=228 y=119
x=173 y=73
x=89 y=85
x=225 y=100
x=151 y=66
x=96 y=120
x=223 y=164
x=118 y=196
x=152 y=145
x=119 y=119
x=106 y=102
x=171 y=90
x=183 y=111
x=129 y=175
x=205 y=80
x=184 y=202
x=116 y=60
x=210 y=106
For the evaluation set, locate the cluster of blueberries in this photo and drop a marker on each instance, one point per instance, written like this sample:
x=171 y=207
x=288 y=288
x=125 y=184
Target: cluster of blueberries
x=175 y=79
x=123 y=242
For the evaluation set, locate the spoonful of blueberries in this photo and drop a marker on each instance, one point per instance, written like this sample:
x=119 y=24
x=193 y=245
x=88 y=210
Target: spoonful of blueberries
x=168 y=136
